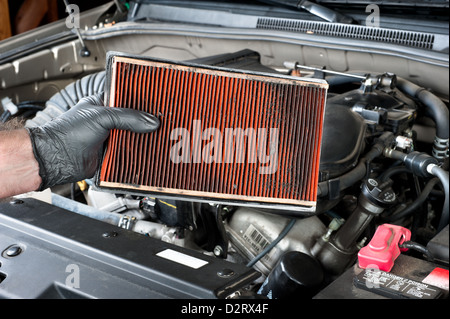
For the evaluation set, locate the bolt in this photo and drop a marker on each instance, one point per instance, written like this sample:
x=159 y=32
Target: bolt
x=13 y=251
x=361 y=243
x=110 y=234
x=84 y=52
x=225 y=273
x=218 y=251
x=335 y=224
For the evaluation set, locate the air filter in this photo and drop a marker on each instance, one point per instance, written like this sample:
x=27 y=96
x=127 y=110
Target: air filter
x=226 y=136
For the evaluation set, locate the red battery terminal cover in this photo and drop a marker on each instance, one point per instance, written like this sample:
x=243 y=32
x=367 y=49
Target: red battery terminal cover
x=384 y=248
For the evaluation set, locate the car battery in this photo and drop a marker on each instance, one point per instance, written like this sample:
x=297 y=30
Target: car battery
x=409 y=278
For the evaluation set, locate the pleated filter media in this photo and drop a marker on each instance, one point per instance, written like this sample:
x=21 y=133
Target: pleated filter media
x=226 y=136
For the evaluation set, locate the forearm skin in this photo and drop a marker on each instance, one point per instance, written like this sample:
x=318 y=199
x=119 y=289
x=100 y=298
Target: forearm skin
x=19 y=170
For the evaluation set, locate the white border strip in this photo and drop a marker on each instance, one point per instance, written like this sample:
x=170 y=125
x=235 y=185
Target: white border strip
x=182 y=258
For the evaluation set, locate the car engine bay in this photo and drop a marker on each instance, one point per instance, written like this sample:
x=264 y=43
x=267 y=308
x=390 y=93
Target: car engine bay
x=381 y=189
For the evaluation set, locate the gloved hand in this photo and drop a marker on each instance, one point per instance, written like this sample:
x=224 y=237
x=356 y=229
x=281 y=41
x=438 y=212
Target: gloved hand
x=69 y=148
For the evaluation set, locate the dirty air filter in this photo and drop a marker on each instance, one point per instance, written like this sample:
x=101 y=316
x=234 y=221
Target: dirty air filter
x=226 y=136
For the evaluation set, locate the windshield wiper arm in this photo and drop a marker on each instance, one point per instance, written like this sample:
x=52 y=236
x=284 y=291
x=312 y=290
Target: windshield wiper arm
x=324 y=12
x=316 y=9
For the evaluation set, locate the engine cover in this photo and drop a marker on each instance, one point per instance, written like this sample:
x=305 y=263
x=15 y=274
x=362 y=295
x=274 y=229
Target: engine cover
x=61 y=254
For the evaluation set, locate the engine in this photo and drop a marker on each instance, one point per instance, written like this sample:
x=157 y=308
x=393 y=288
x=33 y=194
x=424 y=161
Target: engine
x=374 y=170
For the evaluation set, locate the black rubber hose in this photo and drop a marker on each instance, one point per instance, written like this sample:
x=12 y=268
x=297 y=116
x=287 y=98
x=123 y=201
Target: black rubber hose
x=438 y=112
x=417 y=247
x=393 y=171
x=443 y=177
x=435 y=107
x=69 y=96
x=416 y=204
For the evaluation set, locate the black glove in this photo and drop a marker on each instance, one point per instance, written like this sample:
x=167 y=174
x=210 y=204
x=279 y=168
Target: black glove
x=69 y=148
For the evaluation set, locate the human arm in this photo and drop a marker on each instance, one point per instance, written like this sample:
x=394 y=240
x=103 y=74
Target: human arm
x=68 y=148
x=19 y=170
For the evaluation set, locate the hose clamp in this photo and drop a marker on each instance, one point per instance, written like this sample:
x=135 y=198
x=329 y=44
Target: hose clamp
x=440 y=148
x=127 y=222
